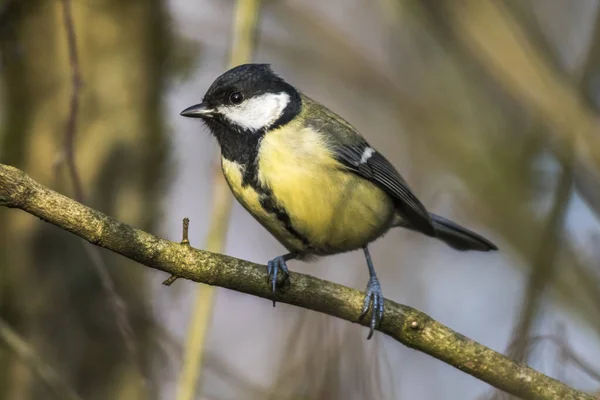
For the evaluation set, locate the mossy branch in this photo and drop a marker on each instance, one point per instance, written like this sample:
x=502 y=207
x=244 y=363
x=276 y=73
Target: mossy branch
x=405 y=324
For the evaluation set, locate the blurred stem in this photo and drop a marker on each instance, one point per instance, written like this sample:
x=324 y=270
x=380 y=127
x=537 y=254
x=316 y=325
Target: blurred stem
x=543 y=265
x=26 y=353
x=244 y=31
x=547 y=253
x=194 y=351
x=568 y=355
x=585 y=181
x=591 y=74
x=71 y=129
x=242 y=46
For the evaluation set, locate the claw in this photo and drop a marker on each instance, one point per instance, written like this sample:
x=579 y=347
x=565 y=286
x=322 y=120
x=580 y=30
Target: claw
x=375 y=295
x=273 y=268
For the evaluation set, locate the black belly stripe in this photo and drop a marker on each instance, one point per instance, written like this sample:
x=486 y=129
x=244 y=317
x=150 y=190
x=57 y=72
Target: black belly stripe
x=268 y=203
x=250 y=177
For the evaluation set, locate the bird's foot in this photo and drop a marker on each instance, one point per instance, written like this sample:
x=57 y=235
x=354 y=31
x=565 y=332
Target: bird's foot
x=374 y=295
x=273 y=267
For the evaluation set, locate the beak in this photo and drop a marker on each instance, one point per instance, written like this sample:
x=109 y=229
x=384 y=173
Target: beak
x=198 y=111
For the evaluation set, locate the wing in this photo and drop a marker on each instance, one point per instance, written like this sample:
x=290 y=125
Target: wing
x=351 y=149
x=368 y=163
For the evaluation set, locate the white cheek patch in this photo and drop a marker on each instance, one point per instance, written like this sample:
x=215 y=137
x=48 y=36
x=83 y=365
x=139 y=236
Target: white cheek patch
x=257 y=112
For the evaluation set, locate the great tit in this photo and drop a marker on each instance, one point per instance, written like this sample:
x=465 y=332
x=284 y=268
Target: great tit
x=310 y=178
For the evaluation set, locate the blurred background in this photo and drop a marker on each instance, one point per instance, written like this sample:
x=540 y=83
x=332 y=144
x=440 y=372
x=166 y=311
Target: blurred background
x=489 y=108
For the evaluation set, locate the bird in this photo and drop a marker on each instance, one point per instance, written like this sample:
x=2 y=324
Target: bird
x=310 y=178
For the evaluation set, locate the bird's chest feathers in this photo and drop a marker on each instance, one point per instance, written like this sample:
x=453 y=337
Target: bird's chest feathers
x=326 y=203
x=288 y=158
x=259 y=202
x=246 y=194
x=288 y=169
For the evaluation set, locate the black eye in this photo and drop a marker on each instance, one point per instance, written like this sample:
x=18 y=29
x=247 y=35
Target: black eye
x=236 y=98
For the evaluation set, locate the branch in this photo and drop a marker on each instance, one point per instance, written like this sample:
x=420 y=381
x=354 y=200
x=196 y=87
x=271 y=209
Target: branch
x=405 y=324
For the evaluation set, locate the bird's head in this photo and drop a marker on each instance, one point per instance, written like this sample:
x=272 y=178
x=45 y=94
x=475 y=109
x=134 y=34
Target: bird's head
x=249 y=99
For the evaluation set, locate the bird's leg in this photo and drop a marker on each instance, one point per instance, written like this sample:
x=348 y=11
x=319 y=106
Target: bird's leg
x=373 y=294
x=277 y=264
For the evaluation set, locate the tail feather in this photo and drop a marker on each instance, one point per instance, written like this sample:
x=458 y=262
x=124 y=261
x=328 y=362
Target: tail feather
x=458 y=237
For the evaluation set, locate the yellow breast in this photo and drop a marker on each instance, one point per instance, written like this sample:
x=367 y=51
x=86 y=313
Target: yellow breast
x=333 y=208
x=250 y=199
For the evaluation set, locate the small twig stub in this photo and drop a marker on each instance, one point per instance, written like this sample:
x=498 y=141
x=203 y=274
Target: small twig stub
x=186 y=226
x=184 y=241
